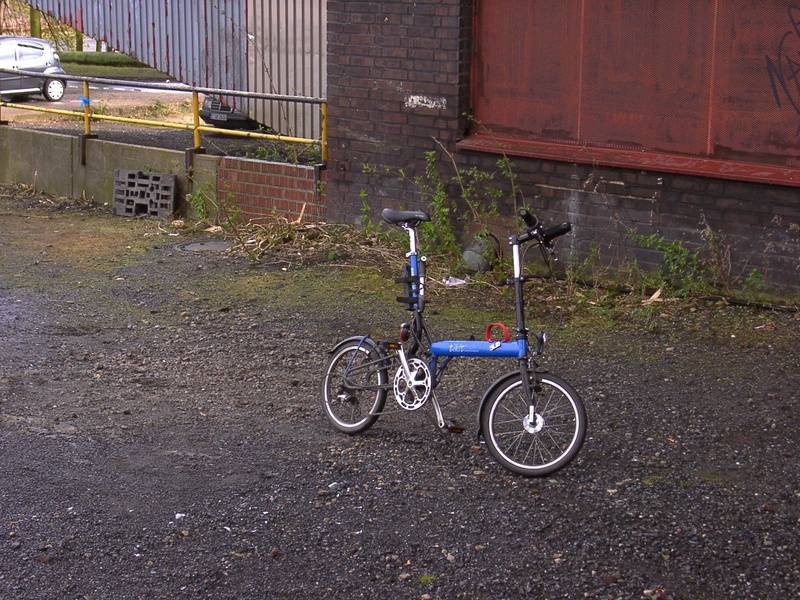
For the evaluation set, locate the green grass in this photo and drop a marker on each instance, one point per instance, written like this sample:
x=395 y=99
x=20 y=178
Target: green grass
x=100 y=58
x=113 y=72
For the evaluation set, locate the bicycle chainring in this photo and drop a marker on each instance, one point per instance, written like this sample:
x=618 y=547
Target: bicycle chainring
x=412 y=395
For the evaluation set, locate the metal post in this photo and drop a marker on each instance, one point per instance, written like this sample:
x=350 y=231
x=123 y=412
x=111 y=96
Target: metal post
x=196 y=117
x=323 y=108
x=87 y=110
x=36 y=23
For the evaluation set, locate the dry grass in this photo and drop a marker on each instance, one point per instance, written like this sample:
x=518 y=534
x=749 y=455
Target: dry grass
x=282 y=241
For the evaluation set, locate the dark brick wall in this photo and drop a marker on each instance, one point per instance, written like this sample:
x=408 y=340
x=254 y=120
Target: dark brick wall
x=399 y=77
x=263 y=189
x=760 y=223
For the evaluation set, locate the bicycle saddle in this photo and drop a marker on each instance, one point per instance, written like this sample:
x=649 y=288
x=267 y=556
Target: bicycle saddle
x=410 y=217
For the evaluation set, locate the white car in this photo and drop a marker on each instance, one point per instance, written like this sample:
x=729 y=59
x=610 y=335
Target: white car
x=30 y=54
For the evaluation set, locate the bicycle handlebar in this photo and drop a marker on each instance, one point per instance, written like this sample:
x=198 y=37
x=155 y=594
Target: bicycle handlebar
x=551 y=233
x=536 y=230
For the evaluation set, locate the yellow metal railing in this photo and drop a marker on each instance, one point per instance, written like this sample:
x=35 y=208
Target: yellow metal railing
x=88 y=115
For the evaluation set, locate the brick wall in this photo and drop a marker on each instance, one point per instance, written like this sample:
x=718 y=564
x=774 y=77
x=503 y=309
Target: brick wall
x=760 y=223
x=262 y=189
x=399 y=77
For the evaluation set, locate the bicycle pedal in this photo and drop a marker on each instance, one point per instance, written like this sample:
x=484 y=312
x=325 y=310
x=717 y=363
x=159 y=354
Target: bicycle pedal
x=452 y=427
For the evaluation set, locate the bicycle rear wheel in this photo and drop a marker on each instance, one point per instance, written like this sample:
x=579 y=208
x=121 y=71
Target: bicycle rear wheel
x=355 y=384
x=539 y=446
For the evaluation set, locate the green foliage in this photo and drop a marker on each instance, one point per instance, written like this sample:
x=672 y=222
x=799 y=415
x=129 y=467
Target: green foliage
x=100 y=108
x=753 y=281
x=682 y=271
x=158 y=109
x=223 y=211
x=200 y=204
x=506 y=168
x=479 y=192
x=581 y=272
x=113 y=72
x=114 y=59
x=426 y=579
x=269 y=152
x=277 y=151
x=439 y=233
x=392 y=236
x=717 y=258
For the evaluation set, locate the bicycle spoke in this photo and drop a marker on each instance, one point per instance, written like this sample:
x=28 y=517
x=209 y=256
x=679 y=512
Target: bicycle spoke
x=512 y=413
x=514 y=420
x=354 y=387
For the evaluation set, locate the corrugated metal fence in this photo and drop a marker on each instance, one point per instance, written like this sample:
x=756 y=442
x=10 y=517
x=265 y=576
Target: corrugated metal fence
x=272 y=46
x=286 y=55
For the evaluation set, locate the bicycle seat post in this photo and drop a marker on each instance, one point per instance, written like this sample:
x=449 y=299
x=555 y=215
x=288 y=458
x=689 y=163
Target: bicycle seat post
x=412 y=239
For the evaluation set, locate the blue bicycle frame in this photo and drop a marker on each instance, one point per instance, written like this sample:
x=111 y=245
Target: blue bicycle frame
x=447 y=349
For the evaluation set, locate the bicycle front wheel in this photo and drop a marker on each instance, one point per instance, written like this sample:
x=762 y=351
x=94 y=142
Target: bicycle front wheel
x=354 y=387
x=536 y=446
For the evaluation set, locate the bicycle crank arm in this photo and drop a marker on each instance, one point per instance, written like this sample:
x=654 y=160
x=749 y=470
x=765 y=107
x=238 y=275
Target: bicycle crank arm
x=439 y=416
x=404 y=364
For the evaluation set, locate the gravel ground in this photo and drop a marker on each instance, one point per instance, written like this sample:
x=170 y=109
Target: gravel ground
x=162 y=437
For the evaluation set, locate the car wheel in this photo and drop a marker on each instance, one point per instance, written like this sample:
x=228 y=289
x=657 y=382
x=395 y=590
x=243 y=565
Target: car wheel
x=54 y=89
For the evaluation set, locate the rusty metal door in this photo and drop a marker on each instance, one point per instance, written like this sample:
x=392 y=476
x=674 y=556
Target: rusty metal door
x=696 y=86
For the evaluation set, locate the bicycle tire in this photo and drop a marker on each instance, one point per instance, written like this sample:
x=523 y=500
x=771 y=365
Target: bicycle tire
x=556 y=437
x=358 y=359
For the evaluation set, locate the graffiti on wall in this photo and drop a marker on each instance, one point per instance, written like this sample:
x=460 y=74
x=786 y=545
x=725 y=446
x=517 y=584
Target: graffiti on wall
x=784 y=68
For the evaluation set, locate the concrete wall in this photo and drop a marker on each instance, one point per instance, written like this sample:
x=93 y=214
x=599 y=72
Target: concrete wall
x=52 y=163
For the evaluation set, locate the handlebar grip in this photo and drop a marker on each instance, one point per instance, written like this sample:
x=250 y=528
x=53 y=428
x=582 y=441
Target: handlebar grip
x=552 y=233
x=530 y=220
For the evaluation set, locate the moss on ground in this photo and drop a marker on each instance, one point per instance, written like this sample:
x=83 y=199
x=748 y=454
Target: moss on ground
x=45 y=243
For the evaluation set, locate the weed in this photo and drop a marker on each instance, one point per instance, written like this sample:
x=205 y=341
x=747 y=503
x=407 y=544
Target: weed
x=506 y=168
x=753 y=282
x=158 y=109
x=391 y=237
x=426 y=579
x=584 y=271
x=100 y=109
x=682 y=271
x=278 y=151
x=652 y=480
x=270 y=152
x=223 y=211
x=439 y=231
x=200 y=204
x=718 y=258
